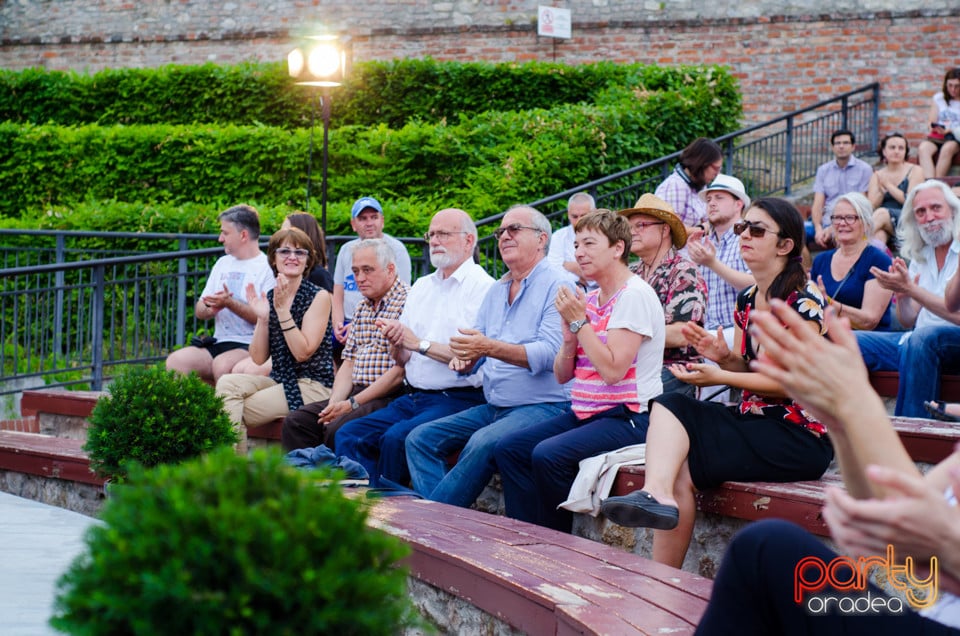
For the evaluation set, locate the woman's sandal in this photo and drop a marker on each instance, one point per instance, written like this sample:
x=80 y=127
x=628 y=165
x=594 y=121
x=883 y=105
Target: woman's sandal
x=938 y=411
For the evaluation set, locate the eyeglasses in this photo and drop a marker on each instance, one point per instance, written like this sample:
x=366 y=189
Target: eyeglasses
x=440 y=235
x=645 y=224
x=512 y=229
x=756 y=231
x=845 y=219
x=286 y=252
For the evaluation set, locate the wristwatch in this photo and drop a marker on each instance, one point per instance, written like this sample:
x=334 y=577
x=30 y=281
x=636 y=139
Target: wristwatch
x=577 y=324
x=354 y=405
x=424 y=347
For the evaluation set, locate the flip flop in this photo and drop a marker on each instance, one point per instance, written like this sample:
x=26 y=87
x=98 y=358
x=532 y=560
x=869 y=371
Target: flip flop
x=639 y=509
x=938 y=410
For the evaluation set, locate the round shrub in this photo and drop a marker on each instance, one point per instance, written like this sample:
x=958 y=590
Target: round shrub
x=154 y=416
x=228 y=545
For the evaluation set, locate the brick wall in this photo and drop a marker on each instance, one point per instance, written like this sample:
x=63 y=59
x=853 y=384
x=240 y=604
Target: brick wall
x=784 y=57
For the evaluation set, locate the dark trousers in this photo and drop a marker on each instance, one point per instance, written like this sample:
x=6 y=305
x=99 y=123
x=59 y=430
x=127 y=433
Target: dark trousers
x=377 y=440
x=302 y=429
x=754 y=588
x=539 y=464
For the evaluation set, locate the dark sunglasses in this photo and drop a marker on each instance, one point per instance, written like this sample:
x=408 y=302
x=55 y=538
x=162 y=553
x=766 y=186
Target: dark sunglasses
x=756 y=231
x=513 y=228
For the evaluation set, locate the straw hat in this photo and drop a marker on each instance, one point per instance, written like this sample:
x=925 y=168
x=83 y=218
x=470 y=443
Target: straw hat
x=652 y=205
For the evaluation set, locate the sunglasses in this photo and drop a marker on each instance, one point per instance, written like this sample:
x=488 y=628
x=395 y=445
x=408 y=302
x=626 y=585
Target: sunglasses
x=285 y=252
x=512 y=229
x=756 y=231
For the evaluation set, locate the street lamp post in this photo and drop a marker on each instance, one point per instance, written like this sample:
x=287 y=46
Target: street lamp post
x=322 y=62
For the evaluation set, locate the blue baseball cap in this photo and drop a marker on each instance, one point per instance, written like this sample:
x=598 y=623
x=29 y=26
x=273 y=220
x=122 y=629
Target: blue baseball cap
x=362 y=204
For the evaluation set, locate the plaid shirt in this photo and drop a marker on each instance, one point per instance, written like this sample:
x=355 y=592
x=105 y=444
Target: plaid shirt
x=678 y=192
x=722 y=296
x=366 y=346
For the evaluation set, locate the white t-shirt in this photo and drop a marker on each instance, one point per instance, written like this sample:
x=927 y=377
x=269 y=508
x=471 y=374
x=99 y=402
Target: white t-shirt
x=235 y=273
x=436 y=308
x=343 y=274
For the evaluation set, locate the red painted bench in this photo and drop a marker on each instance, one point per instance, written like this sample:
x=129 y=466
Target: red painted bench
x=885 y=383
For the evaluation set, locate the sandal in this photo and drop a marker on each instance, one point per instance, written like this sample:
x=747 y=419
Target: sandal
x=640 y=510
x=938 y=411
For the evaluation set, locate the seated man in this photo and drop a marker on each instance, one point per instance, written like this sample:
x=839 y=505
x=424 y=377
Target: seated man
x=930 y=214
x=561 y=243
x=222 y=299
x=657 y=235
x=842 y=174
x=515 y=341
x=773 y=569
x=436 y=305
x=368 y=378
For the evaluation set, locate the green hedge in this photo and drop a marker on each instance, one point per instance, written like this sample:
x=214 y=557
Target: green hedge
x=482 y=164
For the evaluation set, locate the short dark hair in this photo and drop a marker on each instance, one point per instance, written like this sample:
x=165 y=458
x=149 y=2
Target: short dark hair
x=299 y=239
x=610 y=224
x=883 y=145
x=245 y=217
x=308 y=223
x=841 y=133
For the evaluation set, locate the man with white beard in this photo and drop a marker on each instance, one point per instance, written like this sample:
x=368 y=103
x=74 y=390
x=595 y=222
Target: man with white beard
x=437 y=305
x=927 y=230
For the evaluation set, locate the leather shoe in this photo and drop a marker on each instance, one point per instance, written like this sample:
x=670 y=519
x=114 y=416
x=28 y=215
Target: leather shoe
x=640 y=510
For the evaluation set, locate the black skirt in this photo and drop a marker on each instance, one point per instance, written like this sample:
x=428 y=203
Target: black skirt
x=726 y=445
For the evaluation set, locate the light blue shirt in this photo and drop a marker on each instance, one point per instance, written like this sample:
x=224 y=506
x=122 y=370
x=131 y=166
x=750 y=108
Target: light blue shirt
x=533 y=321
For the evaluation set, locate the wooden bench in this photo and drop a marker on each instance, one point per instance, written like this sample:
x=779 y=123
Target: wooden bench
x=537 y=580
x=45 y=456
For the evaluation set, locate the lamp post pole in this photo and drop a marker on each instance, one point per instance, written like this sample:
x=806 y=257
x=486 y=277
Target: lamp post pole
x=325 y=114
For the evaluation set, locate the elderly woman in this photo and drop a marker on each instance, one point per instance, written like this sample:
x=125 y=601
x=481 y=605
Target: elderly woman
x=612 y=350
x=843 y=274
x=293 y=328
x=889 y=186
x=694 y=445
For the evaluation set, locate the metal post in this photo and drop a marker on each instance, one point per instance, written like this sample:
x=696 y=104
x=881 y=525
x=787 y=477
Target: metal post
x=313 y=116
x=59 y=280
x=181 y=319
x=96 y=327
x=788 y=159
x=325 y=104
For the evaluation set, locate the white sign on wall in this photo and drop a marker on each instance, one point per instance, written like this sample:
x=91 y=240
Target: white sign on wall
x=553 y=22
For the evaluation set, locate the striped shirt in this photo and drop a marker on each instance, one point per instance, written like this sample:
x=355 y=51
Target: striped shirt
x=366 y=346
x=637 y=308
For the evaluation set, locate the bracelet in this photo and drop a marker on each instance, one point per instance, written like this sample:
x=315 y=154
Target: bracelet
x=289 y=328
x=288 y=319
x=840 y=311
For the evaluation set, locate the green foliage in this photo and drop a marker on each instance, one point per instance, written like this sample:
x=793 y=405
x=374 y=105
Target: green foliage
x=226 y=545
x=153 y=416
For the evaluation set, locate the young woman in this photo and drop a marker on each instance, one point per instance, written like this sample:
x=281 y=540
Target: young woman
x=944 y=122
x=612 y=350
x=694 y=445
x=890 y=184
x=293 y=329
x=843 y=274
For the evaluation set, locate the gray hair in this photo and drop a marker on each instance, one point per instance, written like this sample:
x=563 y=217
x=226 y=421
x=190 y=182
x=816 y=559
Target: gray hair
x=862 y=206
x=537 y=220
x=381 y=249
x=582 y=197
x=244 y=217
x=467 y=225
x=911 y=242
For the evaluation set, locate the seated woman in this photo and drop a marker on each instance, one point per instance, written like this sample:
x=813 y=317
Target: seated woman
x=694 y=445
x=890 y=185
x=293 y=328
x=944 y=121
x=612 y=350
x=319 y=275
x=843 y=274
x=889 y=505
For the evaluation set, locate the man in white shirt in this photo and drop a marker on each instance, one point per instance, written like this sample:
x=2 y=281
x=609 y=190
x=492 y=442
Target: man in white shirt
x=561 y=251
x=222 y=299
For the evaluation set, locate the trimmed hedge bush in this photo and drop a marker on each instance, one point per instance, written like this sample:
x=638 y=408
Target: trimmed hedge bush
x=227 y=545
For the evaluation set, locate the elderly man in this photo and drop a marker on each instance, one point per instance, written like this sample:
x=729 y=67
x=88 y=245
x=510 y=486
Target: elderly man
x=366 y=219
x=368 y=378
x=927 y=228
x=222 y=299
x=657 y=235
x=561 y=251
x=515 y=340
x=436 y=306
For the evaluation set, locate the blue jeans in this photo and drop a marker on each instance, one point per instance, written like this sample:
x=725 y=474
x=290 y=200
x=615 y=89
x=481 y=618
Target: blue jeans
x=377 y=440
x=477 y=432
x=928 y=352
x=539 y=464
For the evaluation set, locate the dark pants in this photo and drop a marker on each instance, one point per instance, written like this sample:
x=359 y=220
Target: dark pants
x=754 y=591
x=539 y=464
x=377 y=440
x=301 y=428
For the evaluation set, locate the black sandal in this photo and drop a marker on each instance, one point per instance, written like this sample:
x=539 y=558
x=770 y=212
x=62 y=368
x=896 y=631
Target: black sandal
x=938 y=411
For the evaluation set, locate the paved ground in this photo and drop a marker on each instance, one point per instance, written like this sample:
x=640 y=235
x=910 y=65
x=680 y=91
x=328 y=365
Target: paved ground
x=37 y=543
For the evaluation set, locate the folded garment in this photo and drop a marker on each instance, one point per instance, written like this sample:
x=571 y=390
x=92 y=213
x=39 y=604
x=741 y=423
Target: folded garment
x=319 y=456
